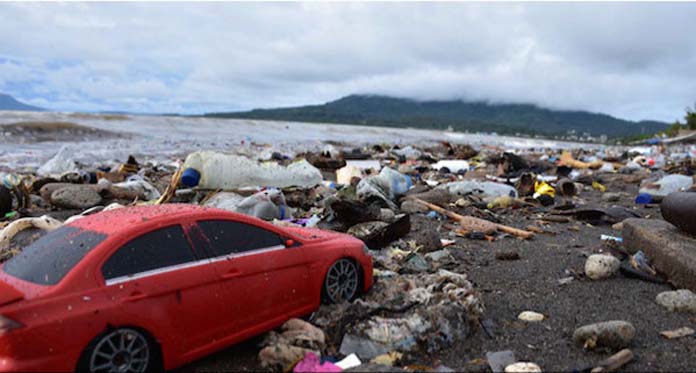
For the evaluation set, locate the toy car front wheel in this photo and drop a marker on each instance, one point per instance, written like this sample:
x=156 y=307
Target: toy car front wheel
x=341 y=282
x=120 y=350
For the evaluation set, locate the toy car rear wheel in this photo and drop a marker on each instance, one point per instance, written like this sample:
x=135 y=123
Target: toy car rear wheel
x=341 y=282
x=120 y=350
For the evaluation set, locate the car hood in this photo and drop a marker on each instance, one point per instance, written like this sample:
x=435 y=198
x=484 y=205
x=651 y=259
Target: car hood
x=312 y=234
x=9 y=294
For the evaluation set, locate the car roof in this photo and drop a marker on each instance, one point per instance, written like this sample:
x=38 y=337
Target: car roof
x=122 y=219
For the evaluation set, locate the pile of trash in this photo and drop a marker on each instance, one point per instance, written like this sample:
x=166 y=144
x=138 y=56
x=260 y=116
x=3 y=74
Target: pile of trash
x=412 y=206
x=402 y=314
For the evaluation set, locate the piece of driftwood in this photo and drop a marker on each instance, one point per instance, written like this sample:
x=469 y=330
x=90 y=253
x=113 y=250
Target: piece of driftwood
x=614 y=362
x=471 y=223
x=171 y=188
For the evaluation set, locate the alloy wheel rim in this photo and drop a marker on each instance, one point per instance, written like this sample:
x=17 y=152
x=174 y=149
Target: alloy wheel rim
x=342 y=281
x=123 y=350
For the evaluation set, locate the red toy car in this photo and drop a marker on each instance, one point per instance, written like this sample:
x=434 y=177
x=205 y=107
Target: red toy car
x=143 y=288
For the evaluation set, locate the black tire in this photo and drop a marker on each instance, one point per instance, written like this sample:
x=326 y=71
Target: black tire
x=342 y=281
x=124 y=349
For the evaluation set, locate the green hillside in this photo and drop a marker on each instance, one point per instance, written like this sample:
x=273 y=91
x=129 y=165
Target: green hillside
x=459 y=115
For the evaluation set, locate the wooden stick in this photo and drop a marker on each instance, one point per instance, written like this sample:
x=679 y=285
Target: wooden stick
x=171 y=188
x=614 y=362
x=514 y=231
x=469 y=221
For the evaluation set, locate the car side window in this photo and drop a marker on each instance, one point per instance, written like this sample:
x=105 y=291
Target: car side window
x=158 y=249
x=229 y=237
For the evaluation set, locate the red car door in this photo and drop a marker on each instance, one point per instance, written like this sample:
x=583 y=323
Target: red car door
x=262 y=281
x=166 y=287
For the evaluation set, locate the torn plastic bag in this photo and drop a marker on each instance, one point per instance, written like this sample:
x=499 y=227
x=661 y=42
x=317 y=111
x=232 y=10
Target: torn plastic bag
x=61 y=163
x=387 y=185
x=138 y=185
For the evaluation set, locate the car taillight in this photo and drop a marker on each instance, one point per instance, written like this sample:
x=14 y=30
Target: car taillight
x=7 y=324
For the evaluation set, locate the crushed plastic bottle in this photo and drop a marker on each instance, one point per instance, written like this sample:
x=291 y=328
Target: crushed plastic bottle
x=268 y=204
x=226 y=171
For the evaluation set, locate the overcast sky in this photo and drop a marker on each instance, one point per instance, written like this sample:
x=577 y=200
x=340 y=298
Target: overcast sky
x=634 y=61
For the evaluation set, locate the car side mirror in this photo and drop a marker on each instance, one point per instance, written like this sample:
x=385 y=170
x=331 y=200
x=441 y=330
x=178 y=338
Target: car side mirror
x=289 y=243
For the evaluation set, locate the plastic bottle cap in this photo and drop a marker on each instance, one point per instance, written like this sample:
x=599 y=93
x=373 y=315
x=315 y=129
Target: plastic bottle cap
x=190 y=177
x=643 y=199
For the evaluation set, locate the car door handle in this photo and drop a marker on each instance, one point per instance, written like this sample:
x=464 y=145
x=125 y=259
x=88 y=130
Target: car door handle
x=232 y=273
x=136 y=295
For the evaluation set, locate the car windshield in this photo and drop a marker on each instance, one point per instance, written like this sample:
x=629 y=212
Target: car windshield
x=50 y=258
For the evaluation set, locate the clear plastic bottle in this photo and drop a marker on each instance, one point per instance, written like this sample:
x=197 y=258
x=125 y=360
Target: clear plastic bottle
x=228 y=171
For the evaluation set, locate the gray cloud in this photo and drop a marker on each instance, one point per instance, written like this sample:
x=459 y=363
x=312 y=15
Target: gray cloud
x=634 y=60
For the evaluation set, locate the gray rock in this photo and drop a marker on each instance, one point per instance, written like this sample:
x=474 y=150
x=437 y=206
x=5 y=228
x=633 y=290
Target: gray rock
x=615 y=334
x=76 y=197
x=682 y=300
x=671 y=252
x=600 y=266
x=438 y=255
x=47 y=190
x=386 y=215
x=412 y=207
x=611 y=197
x=500 y=359
x=38 y=201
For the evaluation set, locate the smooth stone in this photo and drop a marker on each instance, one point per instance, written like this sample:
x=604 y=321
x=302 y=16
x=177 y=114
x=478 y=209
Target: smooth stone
x=531 y=316
x=601 y=266
x=412 y=207
x=522 y=367
x=498 y=360
x=615 y=334
x=76 y=197
x=611 y=197
x=682 y=300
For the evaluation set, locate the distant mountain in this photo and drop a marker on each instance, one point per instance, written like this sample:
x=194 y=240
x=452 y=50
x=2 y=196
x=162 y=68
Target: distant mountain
x=8 y=102
x=459 y=115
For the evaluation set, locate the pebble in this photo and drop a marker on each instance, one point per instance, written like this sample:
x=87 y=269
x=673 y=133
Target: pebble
x=499 y=360
x=531 y=316
x=611 y=197
x=413 y=207
x=522 y=367
x=507 y=255
x=615 y=334
x=601 y=266
x=386 y=215
x=76 y=197
x=682 y=300
x=438 y=255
